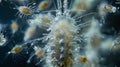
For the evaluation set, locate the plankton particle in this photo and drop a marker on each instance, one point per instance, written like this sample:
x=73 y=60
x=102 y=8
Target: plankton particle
x=83 y=60
x=25 y=10
x=14 y=27
x=43 y=5
x=2 y=39
x=17 y=49
x=39 y=53
x=29 y=33
x=41 y=20
x=106 y=8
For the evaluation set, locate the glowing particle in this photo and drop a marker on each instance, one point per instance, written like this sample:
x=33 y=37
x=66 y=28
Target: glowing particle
x=25 y=10
x=14 y=27
x=17 y=49
x=43 y=5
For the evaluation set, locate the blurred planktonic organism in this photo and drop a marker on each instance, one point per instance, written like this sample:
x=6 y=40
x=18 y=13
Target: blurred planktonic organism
x=3 y=39
x=73 y=37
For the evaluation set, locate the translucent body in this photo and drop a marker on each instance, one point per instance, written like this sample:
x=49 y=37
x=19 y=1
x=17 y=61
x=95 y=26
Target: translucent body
x=83 y=60
x=43 y=5
x=29 y=33
x=14 y=27
x=25 y=10
x=41 y=20
x=2 y=39
x=106 y=8
x=17 y=49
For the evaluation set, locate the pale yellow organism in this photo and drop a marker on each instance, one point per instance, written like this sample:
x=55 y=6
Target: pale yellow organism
x=25 y=10
x=44 y=5
x=65 y=27
x=93 y=34
x=14 y=27
x=83 y=60
x=63 y=30
x=109 y=8
x=17 y=49
x=46 y=21
x=29 y=33
x=106 y=8
x=81 y=6
x=39 y=53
